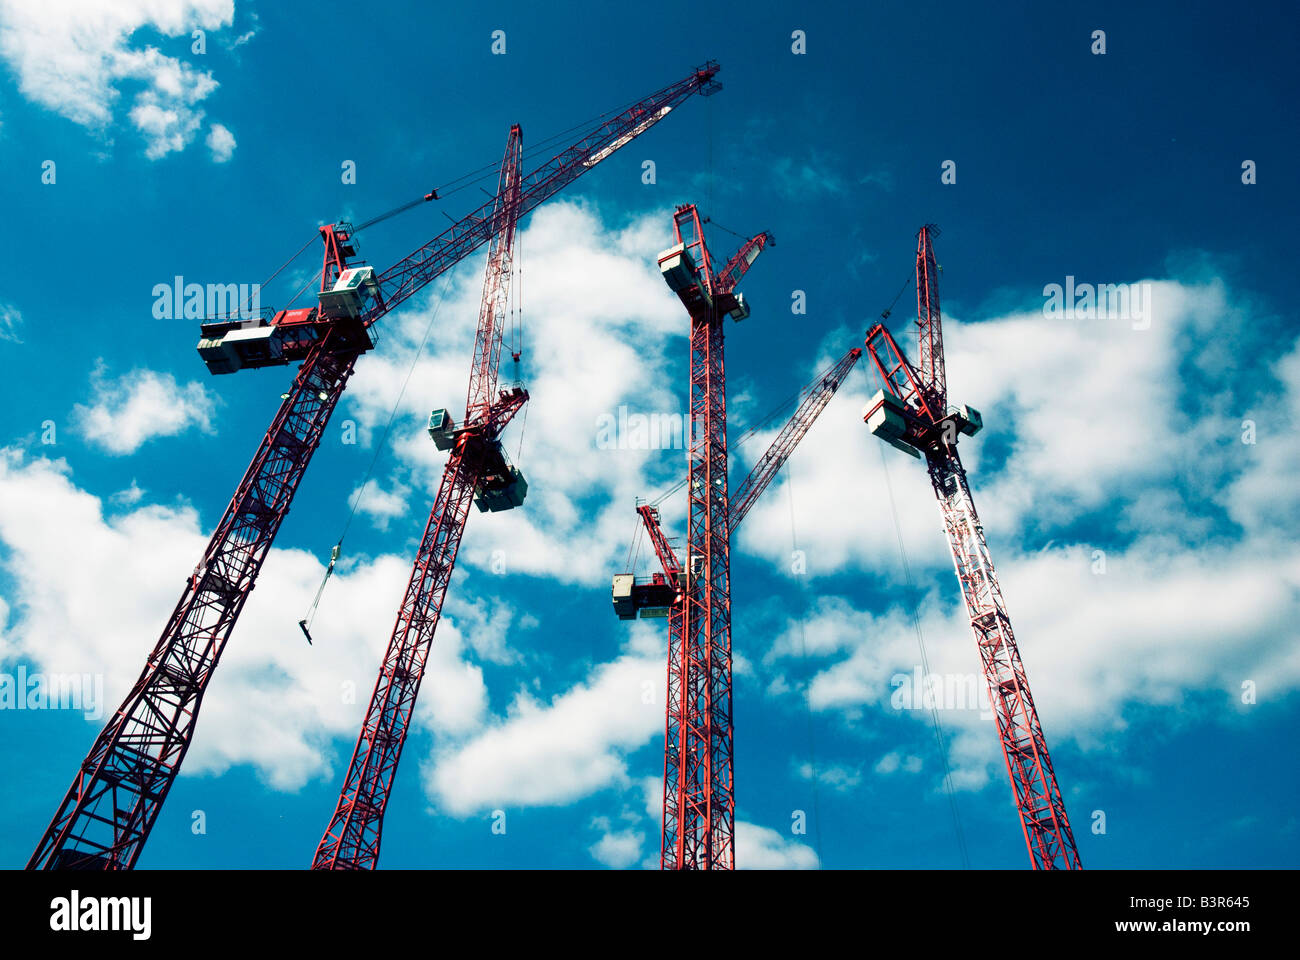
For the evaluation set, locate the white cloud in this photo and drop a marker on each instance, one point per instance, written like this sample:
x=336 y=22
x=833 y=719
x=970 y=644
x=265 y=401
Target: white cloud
x=809 y=176
x=221 y=142
x=836 y=776
x=893 y=761
x=128 y=497
x=379 y=504
x=90 y=593
x=552 y=753
x=616 y=848
x=762 y=848
x=1201 y=578
x=74 y=57
x=585 y=356
x=10 y=321
x=128 y=411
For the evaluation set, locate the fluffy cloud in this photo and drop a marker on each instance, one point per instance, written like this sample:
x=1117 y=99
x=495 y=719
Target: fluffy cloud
x=128 y=411
x=1144 y=550
x=73 y=56
x=555 y=752
x=762 y=848
x=96 y=587
x=379 y=504
x=616 y=848
x=221 y=142
x=837 y=777
x=893 y=761
x=584 y=357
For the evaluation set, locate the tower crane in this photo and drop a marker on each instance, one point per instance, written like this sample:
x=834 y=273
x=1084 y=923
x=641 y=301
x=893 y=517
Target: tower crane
x=698 y=787
x=911 y=413
x=665 y=595
x=477 y=469
x=106 y=815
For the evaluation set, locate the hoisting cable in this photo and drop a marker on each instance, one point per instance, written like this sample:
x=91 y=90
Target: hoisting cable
x=306 y=622
x=925 y=668
x=517 y=318
x=523 y=425
x=267 y=281
x=314 y=277
x=884 y=314
x=807 y=688
x=634 y=547
x=708 y=122
x=724 y=229
x=431 y=195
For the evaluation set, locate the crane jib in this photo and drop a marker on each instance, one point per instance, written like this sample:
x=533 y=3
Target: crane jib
x=627 y=138
x=409 y=275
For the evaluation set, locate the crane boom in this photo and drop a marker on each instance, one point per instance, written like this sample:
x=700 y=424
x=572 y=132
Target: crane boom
x=814 y=401
x=353 y=837
x=663 y=550
x=740 y=262
x=929 y=325
x=106 y=814
x=410 y=274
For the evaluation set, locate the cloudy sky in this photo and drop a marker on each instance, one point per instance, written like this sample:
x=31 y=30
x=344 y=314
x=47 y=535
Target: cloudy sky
x=1136 y=475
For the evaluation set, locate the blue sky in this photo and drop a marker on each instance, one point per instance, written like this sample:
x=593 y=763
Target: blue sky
x=1121 y=168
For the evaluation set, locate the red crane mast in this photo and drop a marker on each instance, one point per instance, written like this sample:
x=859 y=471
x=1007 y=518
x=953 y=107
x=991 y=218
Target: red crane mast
x=665 y=594
x=107 y=813
x=698 y=799
x=911 y=413
x=475 y=466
